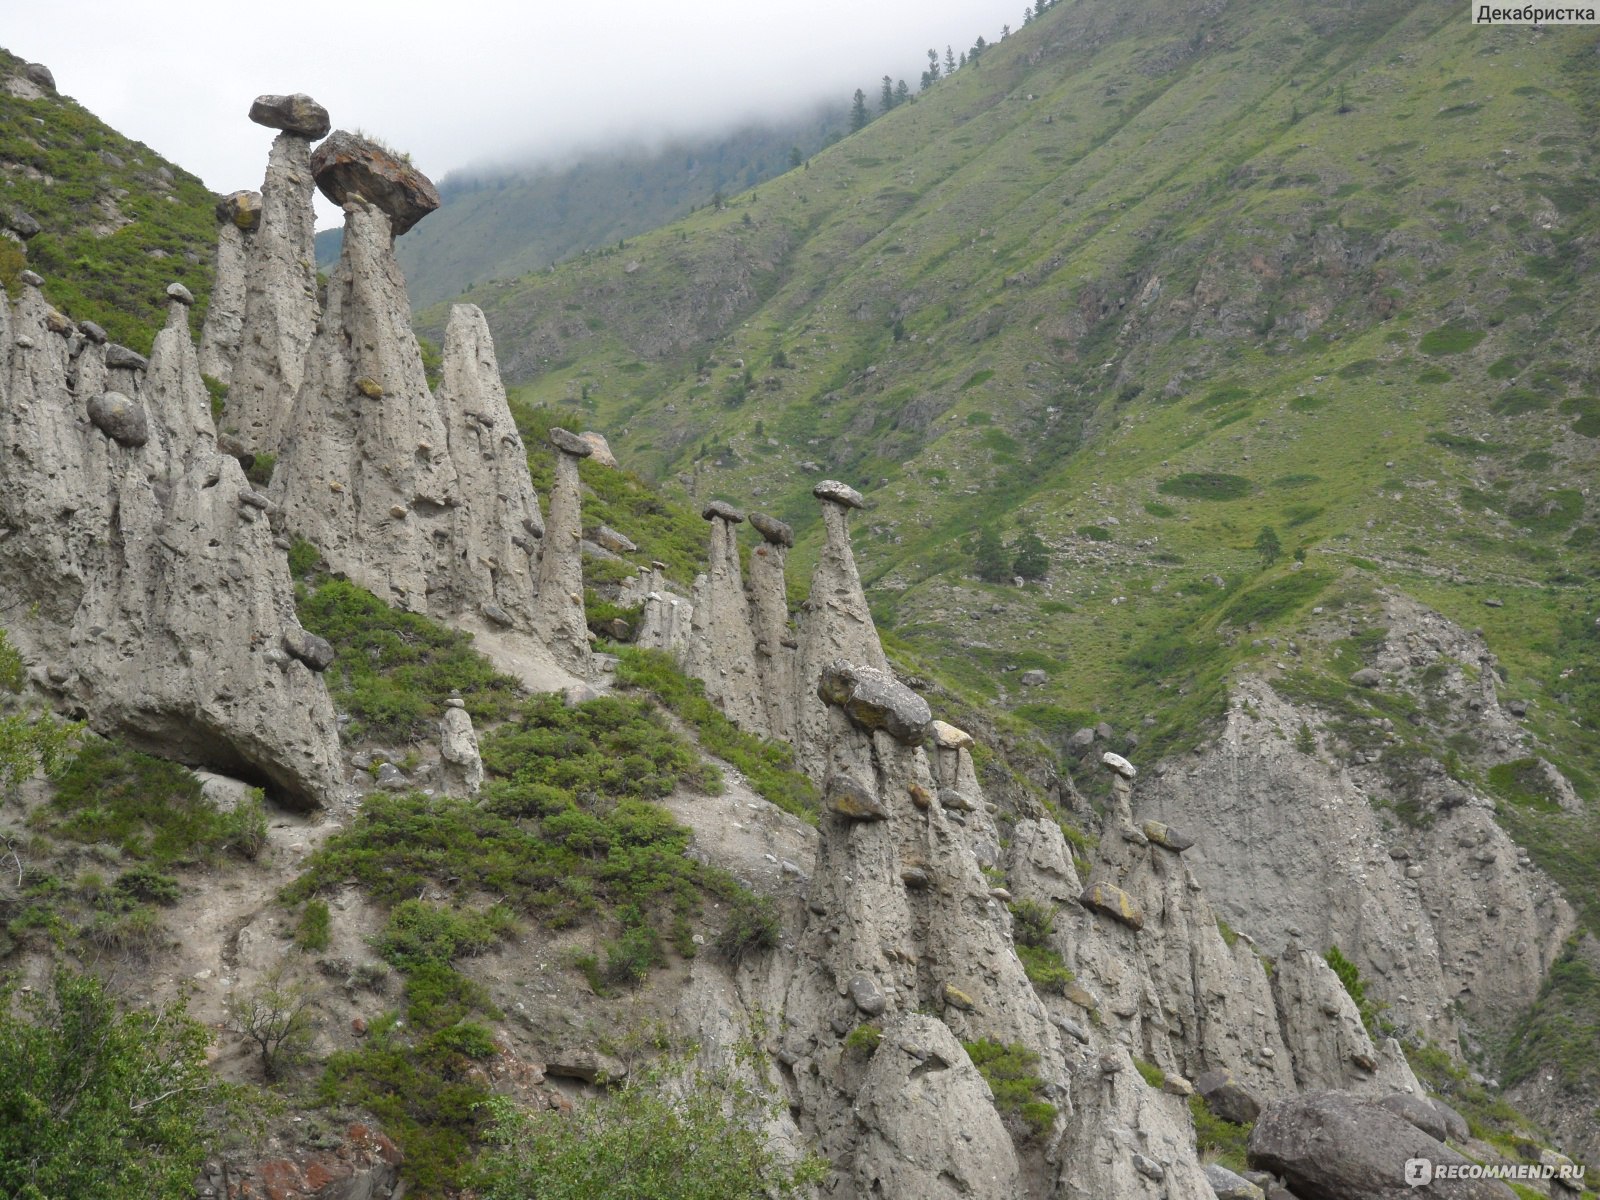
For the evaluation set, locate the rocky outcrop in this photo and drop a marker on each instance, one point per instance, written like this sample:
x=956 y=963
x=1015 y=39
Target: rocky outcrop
x=348 y=166
x=154 y=594
x=1412 y=906
x=1331 y=1146
x=279 y=310
x=1331 y=1048
x=722 y=648
x=497 y=522
x=918 y=1070
x=365 y=472
x=558 y=615
x=238 y=218
x=458 y=751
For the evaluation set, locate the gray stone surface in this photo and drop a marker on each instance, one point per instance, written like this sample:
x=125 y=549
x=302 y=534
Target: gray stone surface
x=772 y=530
x=1331 y=1146
x=838 y=493
x=875 y=699
x=458 y=751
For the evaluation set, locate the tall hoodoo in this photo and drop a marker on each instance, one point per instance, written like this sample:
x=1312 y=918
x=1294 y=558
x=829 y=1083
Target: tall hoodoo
x=174 y=389
x=775 y=645
x=364 y=472
x=722 y=649
x=497 y=522
x=238 y=218
x=558 y=615
x=835 y=622
x=279 y=311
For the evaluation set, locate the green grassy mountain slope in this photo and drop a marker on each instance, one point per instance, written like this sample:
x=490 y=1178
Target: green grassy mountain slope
x=117 y=222
x=1149 y=281
x=502 y=223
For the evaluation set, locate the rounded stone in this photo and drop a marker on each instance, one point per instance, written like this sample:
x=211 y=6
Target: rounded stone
x=1118 y=764
x=32 y=278
x=866 y=995
x=841 y=494
x=121 y=356
x=719 y=508
x=176 y=291
x=120 y=419
x=242 y=209
x=773 y=530
x=23 y=224
x=298 y=114
x=568 y=442
x=93 y=332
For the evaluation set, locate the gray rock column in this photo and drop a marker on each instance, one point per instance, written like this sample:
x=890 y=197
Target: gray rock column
x=173 y=391
x=558 y=613
x=498 y=518
x=238 y=218
x=279 y=312
x=458 y=751
x=769 y=612
x=722 y=652
x=365 y=471
x=835 y=624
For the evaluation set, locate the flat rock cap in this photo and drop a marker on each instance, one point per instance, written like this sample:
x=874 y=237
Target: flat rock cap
x=1118 y=764
x=176 y=291
x=720 y=508
x=568 y=442
x=298 y=114
x=347 y=166
x=840 y=493
x=774 y=530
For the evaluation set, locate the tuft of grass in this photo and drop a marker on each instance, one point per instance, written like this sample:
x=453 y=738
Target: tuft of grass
x=1150 y=1073
x=312 y=931
x=1218 y=1140
x=1207 y=485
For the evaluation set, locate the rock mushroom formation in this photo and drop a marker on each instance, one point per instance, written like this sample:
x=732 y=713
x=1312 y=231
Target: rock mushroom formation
x=238 y=218
x=349 y=166
x=722 y=648
x=278 y=315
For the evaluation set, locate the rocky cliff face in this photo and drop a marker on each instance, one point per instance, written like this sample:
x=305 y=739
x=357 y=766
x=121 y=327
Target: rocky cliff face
x=143 y=577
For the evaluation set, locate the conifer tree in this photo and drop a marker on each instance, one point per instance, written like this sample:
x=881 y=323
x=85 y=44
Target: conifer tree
x=858 y=111
x=886 y=96
x=989 y=557
x=901 y=92
x=950 y=60
x=933 y=66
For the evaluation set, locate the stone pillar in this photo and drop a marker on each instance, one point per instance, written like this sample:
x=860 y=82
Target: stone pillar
x=722 y=653
x=238 y=218
x=279 y=315
x=769 y=610
x=558 y=612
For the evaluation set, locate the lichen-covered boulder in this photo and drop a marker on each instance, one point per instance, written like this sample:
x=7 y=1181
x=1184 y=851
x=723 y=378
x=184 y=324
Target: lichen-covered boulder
x=874 y=699
x=298 y=114
x=347 y=165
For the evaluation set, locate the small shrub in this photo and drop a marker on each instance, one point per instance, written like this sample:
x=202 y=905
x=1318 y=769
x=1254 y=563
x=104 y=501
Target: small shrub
x=1350 y=976
x=313 y=930
x=1450 y=339
x=863 y=1040
x=752 y=927
x=148 y=884
x=276 y=1016
x=1218 y=1140
x=419 y=932
x=1009 y=1072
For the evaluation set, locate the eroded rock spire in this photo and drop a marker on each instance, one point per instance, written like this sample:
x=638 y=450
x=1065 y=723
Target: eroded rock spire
x=722 y=649
x=558 y=617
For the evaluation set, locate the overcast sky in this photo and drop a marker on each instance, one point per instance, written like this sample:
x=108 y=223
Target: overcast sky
x=458 y=84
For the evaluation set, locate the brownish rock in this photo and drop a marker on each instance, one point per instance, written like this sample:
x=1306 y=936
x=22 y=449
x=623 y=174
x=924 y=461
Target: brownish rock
x=347 y=166
x=298 y=114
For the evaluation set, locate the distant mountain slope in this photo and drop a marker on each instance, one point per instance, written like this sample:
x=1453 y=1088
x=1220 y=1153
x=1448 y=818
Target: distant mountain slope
x=1255 y=312
x=117 y=222
x=505 y=222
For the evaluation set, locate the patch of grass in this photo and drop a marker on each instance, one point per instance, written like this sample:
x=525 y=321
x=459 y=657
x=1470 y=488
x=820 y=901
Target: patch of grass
x=152 y=810
x=1018 y=1090
x=1276 y=598
x=392 y=670
x=1562 y=1028
x=768 y=765
x=1524 y=782
x=1489 y=1116
x=1450 y=339
x=1218 y=1140
x=1350 y=976
x=1094 y=533
x=1150 y=1073
x=1207 y=485
x=863 y=1040
x=419 y=933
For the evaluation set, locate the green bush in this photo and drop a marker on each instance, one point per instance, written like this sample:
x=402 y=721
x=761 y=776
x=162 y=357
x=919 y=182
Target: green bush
x=671 y=1134
x=392 y=670
x=313 y=930
x=1009 y=1072
x=422 y=933
x=1450 y=339
x=1207 y=485
x=1150 y=1073
x=154 y=810
x=863 y=1040
x=1219 y=1140
x=1350 y=976
x=752 y=927
x=97 y=1102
